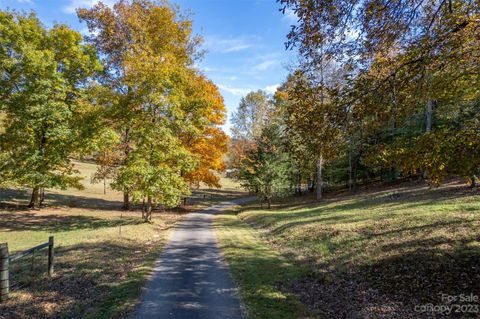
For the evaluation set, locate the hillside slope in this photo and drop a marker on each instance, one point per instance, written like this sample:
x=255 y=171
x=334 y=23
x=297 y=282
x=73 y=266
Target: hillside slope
x=383 y=253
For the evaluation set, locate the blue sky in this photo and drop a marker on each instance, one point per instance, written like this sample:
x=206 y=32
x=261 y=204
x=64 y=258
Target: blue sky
x=244 y=39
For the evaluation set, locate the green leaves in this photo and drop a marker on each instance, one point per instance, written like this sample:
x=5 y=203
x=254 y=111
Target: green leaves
x=43 y=74
x=266 y=167
x=163 y=111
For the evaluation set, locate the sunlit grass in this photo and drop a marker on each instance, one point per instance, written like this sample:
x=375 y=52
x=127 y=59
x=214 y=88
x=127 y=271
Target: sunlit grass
x=408 y=241
x=259 y=271
x=102 y=260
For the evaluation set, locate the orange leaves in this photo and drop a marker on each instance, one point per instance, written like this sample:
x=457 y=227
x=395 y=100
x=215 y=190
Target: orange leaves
x=208 y=142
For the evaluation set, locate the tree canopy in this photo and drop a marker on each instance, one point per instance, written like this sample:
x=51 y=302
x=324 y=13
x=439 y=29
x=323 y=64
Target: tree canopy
x=44 y=77
x=129 y=95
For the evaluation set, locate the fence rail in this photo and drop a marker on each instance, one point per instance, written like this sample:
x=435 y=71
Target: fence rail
x=6 y=259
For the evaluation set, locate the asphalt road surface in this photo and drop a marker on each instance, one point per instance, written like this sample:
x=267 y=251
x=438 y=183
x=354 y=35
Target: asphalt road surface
x=190 y=279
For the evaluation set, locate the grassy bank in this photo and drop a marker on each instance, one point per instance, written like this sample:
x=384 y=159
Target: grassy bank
x=259 y=271
x=379 y=253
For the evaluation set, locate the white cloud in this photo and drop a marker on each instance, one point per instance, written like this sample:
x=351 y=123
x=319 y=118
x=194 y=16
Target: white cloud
x=239 y=91
x=25 y=1
x=227 y=45
x=262 y=66
x=74 y=4
x=290 y=16
x=234 y=90
x=270 y=89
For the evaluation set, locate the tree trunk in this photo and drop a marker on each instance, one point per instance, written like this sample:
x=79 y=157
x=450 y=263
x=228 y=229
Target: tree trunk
x=126 y=200
x=428 y=123
x=35 y=199
x=355 y=173
x=473 y=181
x=149 y=208
x=42 y=196
x=126 y=192
x=319 y=178
x=429 y=115
x=350 y=169
x=269 y=203
x=104 y=186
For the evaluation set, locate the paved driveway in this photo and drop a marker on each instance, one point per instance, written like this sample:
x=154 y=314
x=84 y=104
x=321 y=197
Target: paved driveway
x=190 y=279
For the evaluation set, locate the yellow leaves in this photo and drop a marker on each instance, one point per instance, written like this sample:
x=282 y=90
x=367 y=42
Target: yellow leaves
x=208 y=143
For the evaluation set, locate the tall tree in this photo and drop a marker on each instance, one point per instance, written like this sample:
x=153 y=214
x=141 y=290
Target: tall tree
x=147 y=49
x=167 y=114
x=266 y=167
x=251 y=116
x=314 y=120
x=43 y=76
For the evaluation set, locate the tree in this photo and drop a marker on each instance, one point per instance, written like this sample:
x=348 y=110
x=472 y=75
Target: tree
x=166 y=114
x=313 y=120
x=251 y=116
x=44 y=73
x=266 y=166
x=141 y=68
x=206 y=139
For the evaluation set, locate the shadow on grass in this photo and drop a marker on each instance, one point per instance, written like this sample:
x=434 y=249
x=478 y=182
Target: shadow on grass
x=393 y=286
x=97 y=280
x=259 y=271
x=19 y=198
x=381 y=262
x=24 y=221
x=422 y=270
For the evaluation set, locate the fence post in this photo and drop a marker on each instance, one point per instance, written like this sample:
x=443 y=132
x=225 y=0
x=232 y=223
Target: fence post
x=51 y=256
x=4 y=280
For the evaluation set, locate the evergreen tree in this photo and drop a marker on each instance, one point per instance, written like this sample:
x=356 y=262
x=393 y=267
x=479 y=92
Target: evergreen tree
x=266 y=167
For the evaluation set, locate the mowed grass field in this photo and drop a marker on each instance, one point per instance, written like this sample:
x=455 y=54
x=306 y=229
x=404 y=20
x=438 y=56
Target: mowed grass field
x=103 y=254
x=377 y=254
x=92 y=196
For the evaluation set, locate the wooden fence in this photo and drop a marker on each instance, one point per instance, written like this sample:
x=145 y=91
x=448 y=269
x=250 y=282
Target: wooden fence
x=6 y=259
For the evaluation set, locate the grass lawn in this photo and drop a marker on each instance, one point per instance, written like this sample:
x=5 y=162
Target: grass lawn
x=99 y=270
x=376 y=254
x=258 y=270
x=93 y=197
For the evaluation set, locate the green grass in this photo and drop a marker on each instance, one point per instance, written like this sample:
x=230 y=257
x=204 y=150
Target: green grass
x=99 y=272
x=92 y=196
x=407 y=242
x=259 y=271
